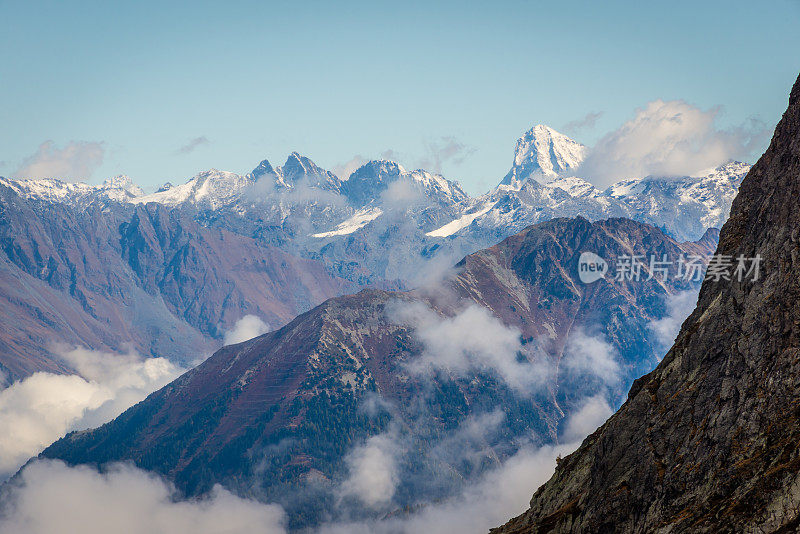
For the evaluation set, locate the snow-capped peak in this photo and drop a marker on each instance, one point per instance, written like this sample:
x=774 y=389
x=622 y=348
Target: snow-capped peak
x=300 y=169
x=263 y=168
x=543 y=154
x=370 y=181
x=211 y=189
x=124 y=183
x=119 y=188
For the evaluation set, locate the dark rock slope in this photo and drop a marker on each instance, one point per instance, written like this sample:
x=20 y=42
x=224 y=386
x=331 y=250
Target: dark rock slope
x=265 y=416
x=708 y=442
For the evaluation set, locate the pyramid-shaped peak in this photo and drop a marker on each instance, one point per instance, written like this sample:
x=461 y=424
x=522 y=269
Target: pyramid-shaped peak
x=542 y=154
x=297 y=163
x=262 y=169
x=299 y=168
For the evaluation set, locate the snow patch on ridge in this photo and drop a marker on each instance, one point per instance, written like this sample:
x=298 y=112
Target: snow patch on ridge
x=359 y=220
x=460 y=223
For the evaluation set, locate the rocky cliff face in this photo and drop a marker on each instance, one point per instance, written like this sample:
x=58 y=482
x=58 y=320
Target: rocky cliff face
x=707 y=442
x=492 y=346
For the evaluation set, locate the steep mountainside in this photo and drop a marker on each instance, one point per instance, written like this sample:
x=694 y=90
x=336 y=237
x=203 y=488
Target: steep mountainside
x=707 y=442
x=500 y=342
x=117 y=275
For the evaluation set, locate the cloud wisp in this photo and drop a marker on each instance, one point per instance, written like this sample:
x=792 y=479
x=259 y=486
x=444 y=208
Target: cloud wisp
x=373 y=470
x=591 y=414
x=447 y=149
x=192 y=145
x=344 y=170
x=435 y=155
x=587 y=122
x=247 y=327
x=591 y=355
x=74 y=162
x=679 y=307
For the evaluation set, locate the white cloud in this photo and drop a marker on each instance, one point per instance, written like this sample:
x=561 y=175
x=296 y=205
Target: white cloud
x=373 y=475
x=38 y=410
x=679 y=306
x=245 y=328
x=76 y=161
x=593 y=413
x=668 y=138
x=591 y=355
x=51 y=497
x=473 y=339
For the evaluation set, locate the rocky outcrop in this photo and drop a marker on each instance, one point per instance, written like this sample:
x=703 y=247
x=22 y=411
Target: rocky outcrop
x=707 y=442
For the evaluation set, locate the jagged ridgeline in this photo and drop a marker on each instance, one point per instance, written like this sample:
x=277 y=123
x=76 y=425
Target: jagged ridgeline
x=708 y=442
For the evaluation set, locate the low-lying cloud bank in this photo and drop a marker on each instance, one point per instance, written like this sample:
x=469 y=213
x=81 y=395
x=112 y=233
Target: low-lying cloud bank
x=40 y=409
x=499 y=494
x=51 y=497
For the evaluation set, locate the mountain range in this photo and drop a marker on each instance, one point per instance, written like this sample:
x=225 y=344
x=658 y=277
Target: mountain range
x=353 y=224
x=168 y=272
x=510 y=340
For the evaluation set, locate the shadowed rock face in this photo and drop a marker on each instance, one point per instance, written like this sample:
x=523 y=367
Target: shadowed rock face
x=707 y=442
x=265 y=416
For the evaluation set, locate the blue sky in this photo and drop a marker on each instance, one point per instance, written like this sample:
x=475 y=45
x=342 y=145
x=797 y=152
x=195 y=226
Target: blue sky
x=254 y=80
